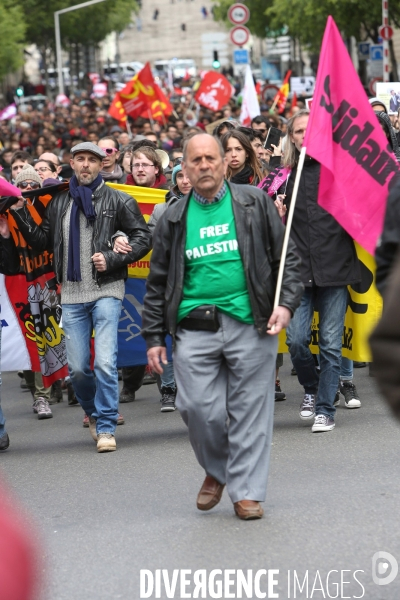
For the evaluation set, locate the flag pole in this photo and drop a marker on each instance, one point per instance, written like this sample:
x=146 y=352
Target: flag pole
x=151 y=118
x=128 y=128
x=289 y=226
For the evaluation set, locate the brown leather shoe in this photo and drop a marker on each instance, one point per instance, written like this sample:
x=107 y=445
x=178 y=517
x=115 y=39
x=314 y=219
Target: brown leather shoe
x=209 y=494
x=248 y=509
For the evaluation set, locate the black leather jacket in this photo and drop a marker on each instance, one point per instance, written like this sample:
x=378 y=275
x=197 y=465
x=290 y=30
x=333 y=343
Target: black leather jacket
x=260 y=236
x=115 y=211
x=9 y=257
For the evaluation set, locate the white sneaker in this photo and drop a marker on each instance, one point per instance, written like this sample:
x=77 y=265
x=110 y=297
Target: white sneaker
x=307 y=407
x=42 y=409
x=349 y=391
x=323 y=423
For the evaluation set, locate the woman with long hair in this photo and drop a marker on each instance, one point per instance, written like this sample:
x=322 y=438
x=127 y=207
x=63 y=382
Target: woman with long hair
x=243 y=165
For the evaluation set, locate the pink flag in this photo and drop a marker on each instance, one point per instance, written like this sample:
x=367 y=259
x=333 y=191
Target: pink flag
x=7 y=189
x=344 y=135
x=8 y=112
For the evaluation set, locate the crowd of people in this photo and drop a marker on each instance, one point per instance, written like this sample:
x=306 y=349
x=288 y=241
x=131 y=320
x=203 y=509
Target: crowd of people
x=217 y=242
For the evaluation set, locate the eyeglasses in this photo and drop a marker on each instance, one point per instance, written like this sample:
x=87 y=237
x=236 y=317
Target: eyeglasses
x=110 y=151
x=42 y=169
x=177 y=161
x=137 y=166
x=33 y=184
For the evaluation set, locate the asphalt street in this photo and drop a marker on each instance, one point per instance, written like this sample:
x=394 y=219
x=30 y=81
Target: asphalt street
x=333 y=500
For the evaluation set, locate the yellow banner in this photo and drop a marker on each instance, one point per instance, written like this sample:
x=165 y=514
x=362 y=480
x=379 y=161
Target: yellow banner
x=364 y=309
x=147 y=198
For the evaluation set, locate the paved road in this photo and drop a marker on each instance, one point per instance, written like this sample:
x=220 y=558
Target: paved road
x=333 y=500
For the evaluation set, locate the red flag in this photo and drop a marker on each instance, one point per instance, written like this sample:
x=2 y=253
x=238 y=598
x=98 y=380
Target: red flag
x=344 y=135
x=282 y=96
x=117 y=111
x=214 y=92
x=159 y=108
x=141 y=96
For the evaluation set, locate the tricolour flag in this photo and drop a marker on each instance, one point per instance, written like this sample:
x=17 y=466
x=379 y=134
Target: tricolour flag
x=343 y=134
x=282 y=96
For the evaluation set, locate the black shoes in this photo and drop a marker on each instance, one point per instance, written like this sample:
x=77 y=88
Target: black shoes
x=4 y=442
x=168 y=399
x=279 y=395
x=126 y=396
x=56 y=395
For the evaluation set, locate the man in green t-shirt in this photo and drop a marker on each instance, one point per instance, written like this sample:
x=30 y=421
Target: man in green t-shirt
x=216 y=255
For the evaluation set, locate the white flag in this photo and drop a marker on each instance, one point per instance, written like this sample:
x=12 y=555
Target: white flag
x=250 y=105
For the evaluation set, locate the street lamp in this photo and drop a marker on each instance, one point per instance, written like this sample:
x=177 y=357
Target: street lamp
x=58 y=38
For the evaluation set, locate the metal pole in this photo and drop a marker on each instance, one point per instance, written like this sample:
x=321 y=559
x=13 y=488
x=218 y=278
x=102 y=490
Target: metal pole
x=385 y=21
x=57 y=14
x=58 y=53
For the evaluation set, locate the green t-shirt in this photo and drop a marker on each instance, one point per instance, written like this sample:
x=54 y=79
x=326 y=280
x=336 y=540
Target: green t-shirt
x=214 y=272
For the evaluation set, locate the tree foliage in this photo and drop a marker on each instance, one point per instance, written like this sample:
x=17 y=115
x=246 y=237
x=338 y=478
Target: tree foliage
x=12 y=35
x=306 y=19
x=92 y=24
x=86 y=26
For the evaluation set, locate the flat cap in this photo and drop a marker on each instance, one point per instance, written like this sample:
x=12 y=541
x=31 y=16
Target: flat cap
x=88 y=147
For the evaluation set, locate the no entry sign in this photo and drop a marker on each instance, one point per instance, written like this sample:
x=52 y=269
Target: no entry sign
x=238 y=14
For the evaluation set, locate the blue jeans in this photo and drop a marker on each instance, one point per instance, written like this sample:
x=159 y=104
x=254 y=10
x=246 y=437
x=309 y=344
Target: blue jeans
x=168 y=376
x=346 y=371
x=98 y=395
x=2 y=419
x=331 y=304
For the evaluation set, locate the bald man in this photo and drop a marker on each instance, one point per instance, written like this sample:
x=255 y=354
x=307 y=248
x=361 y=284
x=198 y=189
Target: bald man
x=216 y=255
x=52 y=158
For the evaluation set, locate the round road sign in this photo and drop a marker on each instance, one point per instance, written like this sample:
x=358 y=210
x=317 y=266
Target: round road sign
x=269 y=92
x=239 y=35
x=238 y=14
x=386 y=32
x=372 y=85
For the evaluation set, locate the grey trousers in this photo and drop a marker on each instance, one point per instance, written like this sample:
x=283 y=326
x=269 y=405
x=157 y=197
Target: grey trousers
x=226 y=395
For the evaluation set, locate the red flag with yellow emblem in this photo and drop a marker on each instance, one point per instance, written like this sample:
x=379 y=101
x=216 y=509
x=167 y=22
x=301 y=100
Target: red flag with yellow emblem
x=117 y=111
x=141 y=97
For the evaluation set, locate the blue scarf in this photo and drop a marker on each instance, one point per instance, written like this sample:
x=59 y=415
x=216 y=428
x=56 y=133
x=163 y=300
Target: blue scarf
x=82 y=197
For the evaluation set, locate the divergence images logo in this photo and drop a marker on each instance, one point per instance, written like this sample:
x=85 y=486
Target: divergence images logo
x=384 y=568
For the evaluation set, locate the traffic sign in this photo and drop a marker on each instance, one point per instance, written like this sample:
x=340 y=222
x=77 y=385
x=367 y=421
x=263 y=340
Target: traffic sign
x=238 y=14
x=363 y=50
x=372 y=85
x=376 y=52
x=386 y=32
x=239 y=35
x=269 y=92
x=241 y=57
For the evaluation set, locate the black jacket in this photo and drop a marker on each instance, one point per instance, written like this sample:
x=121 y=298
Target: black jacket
x=115 y=211
x=9 y=257
x=260 y=236
x=327 y=252
x=389 y=243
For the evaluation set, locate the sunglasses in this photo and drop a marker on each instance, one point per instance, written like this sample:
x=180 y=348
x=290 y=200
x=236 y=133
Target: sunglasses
x=177 y=161
x=110 y=151
x=33 y=184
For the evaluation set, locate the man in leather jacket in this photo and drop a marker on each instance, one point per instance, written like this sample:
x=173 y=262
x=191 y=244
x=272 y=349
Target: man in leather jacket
x=211 y=286
x=78 y=227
